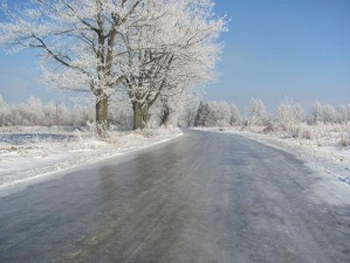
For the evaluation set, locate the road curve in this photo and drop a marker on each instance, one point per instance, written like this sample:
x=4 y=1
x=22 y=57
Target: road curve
x=204 y=197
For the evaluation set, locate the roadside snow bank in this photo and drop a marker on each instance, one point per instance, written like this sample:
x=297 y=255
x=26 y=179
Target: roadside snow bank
x=325 y=149
x=32 y=153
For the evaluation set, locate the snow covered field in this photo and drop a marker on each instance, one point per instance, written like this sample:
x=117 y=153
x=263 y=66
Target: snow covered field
x=31 y=153
x=325 y=147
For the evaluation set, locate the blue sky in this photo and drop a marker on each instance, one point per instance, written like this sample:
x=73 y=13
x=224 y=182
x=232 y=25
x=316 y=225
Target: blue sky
x=278 y=48
x=275 y=49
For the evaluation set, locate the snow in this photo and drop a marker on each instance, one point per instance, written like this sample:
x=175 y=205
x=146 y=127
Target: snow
x=32 y=153
x=323 y=151
x=37 y=152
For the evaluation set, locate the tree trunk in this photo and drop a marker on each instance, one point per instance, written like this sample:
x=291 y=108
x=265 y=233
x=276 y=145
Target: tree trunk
x=166 y=122
x=146 y=116
x=165 y=119
x=141 y=116
x=138 y=116
x=102 y=116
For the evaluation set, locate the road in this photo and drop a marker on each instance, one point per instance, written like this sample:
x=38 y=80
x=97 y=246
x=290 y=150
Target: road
x=204 y=197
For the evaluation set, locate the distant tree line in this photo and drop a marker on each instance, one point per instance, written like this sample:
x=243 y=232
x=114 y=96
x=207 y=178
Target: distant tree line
x=34 y=112
x=187 y=113
x=288 y=113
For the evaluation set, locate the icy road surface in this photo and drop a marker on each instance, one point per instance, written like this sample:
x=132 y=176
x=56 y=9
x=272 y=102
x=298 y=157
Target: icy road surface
x=204 y=197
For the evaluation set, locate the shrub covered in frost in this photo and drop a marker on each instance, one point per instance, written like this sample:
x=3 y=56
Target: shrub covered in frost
x=289 y=114
x=257 y=114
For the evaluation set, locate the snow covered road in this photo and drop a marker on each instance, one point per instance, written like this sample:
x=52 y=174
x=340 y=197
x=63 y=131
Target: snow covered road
x=203 y=197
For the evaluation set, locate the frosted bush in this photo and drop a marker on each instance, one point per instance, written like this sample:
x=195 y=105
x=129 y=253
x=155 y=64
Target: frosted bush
x=294 y=132
x=306 y=132
x=271 y=127
x=257 y=114
x=289 y=114
x=302 y=131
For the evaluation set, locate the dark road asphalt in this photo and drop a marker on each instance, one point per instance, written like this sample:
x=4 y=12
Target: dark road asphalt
x=204 y=197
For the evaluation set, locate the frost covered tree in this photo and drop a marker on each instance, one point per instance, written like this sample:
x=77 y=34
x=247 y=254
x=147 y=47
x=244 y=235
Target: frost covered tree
x=2 y=110
x=188 y=112
x=289 y=113
x=235 y=116
x=172 y=106
x=343 y=113
x=2 y=102
x=121 y=113
x=34 y=110
x=328 y=114
x=63 y=115
x=316 y=111
x=220 y=113
x=78 y=40
x=324 y=113
x=223 y=114
x=172 y=45
x=149 y=46
x=168 y=107
x=214 y=114
x=257 y=114
x=49 y=112
x=203 y=112
x=81 y=115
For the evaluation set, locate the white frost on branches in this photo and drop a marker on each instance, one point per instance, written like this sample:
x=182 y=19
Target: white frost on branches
x=289 y=113
x=150 y=48
x=76 y=40
x=257 y=114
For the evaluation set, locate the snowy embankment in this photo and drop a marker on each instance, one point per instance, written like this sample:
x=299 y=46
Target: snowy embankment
x=35 y=152
x=325 y=147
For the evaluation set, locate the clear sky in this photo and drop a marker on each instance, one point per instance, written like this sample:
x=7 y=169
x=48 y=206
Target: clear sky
x=275 y=49
x=279 y=48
